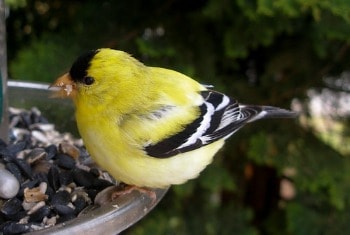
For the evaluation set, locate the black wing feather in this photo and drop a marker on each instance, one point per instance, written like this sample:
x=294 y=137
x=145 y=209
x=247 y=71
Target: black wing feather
x=226 y=117
x=168 y=147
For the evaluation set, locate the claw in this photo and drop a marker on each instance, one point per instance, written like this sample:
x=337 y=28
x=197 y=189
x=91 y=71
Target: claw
x=130 y=188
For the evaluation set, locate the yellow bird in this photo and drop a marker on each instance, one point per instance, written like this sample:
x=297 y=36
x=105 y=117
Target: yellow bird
x=148 y=126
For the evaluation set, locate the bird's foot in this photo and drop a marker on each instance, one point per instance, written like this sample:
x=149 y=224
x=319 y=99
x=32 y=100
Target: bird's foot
x=130 y=188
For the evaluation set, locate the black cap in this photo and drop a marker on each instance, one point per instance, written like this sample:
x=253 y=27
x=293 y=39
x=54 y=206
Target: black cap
x=79 y=68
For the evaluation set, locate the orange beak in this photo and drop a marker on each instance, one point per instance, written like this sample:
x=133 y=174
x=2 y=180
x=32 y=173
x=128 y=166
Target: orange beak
x=64 y=87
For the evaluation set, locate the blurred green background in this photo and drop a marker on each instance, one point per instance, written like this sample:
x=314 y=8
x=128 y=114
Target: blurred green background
x=272 y=177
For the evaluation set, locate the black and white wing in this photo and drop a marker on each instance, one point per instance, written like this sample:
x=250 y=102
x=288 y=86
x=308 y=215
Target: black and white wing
x=220 y=117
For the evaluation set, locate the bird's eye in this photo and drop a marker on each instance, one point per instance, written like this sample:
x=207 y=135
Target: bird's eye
x=89 y=80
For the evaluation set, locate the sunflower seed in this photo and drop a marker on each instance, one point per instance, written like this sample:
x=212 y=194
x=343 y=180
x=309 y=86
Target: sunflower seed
x=9 y=185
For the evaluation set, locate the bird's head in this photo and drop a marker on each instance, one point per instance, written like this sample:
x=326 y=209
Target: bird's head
x=99 y=75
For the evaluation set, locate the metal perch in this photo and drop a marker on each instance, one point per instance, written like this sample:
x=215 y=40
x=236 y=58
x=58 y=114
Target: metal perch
x=3 y=75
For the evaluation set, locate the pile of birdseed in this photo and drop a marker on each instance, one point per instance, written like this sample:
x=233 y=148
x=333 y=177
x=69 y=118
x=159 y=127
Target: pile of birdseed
x=46 y=177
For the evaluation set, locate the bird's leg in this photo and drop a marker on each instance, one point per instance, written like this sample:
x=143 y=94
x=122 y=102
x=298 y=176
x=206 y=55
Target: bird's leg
x=129 y=188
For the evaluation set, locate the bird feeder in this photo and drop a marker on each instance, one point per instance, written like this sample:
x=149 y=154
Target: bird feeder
x=110 y=218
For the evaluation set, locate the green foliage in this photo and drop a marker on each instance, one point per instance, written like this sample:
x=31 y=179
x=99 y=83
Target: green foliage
x=44 y=61
x=15 y=3
x=183 y=217
x=320 y=180
x=319 y=169
x=259 y=51
x=324 y=174
x=308 y=218
x=221 y=181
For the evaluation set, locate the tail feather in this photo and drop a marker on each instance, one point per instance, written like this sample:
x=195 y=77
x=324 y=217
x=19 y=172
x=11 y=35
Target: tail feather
x=262 y=112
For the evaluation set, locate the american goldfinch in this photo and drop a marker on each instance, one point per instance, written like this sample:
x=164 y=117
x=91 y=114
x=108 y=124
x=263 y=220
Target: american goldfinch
x=148 y=126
